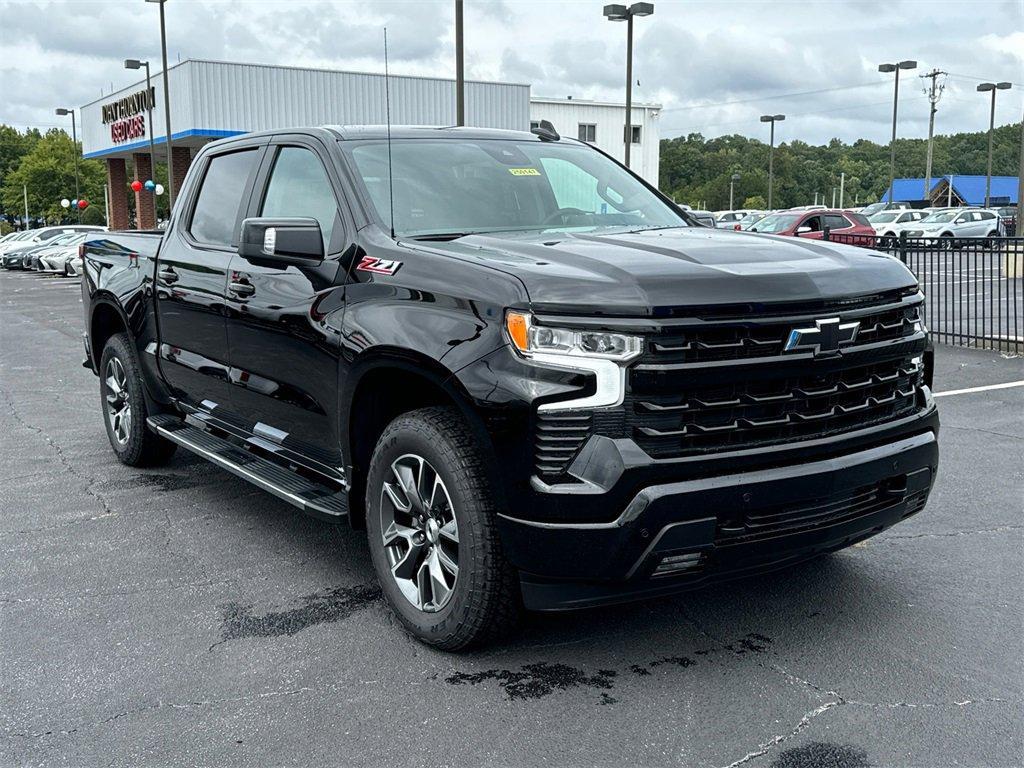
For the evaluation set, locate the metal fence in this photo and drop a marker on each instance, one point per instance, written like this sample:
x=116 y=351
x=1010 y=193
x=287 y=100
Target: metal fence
x=973 y=286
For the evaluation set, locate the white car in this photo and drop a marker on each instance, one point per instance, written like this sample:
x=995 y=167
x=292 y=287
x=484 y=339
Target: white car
x=889 y=224
x=727 y=219
x=947 y=226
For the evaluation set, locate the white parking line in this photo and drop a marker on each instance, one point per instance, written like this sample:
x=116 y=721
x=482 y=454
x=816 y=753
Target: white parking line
x=986 y=388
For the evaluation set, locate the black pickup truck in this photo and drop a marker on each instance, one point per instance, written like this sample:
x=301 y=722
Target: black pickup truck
x=520 y=367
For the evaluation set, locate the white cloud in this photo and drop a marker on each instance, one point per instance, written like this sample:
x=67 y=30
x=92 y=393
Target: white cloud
x=714 y=65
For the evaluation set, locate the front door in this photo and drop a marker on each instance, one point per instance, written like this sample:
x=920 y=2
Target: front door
x=191 y=281
x=284 y=319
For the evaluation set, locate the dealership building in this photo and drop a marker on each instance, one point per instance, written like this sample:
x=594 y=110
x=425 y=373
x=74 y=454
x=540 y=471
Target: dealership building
x=210 y=100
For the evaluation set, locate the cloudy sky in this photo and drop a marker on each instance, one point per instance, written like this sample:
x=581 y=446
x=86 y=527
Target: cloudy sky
x=714 y=66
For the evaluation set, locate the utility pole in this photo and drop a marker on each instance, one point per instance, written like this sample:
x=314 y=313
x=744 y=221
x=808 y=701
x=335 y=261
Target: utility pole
x=895 y=69
x=934 y=93
x=991 y=87
x=460 y=72
x=24 y=191
x=1020 y=186
x=842 y=187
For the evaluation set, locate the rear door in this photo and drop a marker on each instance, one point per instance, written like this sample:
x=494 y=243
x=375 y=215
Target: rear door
x=192 y=276
x=284 y=318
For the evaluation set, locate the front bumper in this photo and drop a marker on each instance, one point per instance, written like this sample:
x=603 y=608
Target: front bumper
x=677 y=535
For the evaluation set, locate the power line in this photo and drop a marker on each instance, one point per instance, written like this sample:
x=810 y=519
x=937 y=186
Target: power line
x=768 y=98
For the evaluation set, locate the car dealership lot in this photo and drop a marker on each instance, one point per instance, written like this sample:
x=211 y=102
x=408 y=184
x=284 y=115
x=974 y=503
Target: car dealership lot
x=181 y=617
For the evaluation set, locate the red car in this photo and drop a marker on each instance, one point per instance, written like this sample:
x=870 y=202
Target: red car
x=843 y=226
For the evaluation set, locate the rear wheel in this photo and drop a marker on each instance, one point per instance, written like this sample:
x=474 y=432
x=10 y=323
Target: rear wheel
x=124 y=407
x=431 y=527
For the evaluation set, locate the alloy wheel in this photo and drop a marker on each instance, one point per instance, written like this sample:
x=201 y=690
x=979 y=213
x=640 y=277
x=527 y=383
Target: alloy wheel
x=420 y=533
x=119 y=407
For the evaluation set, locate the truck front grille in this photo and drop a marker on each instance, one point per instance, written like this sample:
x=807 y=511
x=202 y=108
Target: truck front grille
x=696 y=400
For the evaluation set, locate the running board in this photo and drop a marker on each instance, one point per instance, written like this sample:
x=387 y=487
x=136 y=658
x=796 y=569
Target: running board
x=309 y=496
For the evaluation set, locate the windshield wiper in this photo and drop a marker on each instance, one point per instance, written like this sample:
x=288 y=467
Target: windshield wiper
x=442 y=236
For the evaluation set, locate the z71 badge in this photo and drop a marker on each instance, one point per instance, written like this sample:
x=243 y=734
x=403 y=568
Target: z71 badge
x=379 y=266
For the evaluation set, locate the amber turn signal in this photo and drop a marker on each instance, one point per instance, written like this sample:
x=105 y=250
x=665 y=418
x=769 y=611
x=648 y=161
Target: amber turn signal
x=518 y=326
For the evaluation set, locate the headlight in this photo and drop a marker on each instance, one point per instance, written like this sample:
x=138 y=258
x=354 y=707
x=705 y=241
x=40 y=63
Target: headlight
x=600 y=353
x=531 y=340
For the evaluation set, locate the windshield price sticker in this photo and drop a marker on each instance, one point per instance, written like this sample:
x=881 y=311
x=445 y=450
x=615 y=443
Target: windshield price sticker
x=524 y=171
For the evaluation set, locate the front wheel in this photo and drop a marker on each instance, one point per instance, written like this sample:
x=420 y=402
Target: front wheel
x=431 y=527
x=124 y=407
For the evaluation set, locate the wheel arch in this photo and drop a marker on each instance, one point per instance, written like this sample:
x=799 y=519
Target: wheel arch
x=382 y=385
x=106 y=317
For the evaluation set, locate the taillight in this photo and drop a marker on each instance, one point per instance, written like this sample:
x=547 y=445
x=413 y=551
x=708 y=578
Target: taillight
x=81 y=250
x=736 y=227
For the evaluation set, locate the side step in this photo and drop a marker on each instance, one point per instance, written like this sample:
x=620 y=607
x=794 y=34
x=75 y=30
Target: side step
x=309 y=496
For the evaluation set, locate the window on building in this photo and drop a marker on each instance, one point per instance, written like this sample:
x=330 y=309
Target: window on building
x=587 y=132
x=636 y=134
x=215 y=219
x=534 y=124
x=299 y=187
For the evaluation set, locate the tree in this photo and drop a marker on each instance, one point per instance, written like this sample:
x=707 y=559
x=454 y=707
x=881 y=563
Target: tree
x=48 y=172
x=756 y=202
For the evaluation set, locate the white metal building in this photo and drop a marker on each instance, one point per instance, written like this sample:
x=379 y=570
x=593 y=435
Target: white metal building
x=215 y=99
x=601 y=123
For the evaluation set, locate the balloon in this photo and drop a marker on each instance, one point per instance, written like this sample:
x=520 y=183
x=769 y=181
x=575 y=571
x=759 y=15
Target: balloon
x=149 y=185
x=136 y=185
x=83 y=204
x=159 y=189
x=65 y=203
x=74 y=203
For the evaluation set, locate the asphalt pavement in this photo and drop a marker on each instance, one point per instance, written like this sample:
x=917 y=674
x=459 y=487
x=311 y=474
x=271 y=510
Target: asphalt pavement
x=180 y=617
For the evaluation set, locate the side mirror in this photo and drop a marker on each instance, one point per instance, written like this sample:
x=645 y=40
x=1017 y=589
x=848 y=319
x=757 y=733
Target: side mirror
x=293 y=240
x=803 y=229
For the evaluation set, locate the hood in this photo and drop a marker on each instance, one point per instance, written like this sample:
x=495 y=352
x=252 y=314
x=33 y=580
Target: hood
x=651 y=272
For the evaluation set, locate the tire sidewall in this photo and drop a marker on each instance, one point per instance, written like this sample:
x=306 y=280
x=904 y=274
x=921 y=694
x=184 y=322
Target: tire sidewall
x=117 y=346
x=399 y=439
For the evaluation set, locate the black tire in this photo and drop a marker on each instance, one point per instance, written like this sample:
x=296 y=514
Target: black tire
x=946 y=242
x=484 y=601
x=140 y=447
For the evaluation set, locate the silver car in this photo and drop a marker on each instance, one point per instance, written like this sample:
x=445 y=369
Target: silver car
x=947 y=226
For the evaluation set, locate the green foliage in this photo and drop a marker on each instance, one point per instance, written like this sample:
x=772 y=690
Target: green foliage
x=46 y=166
x=694 y=168
x=94 y=215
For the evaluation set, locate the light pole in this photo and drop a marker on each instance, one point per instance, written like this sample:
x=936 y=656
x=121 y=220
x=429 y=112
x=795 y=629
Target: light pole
x=136 y=64
x=771 y=152
x=61 y=111
x=895 y=98
x=991 y=125
x=460 y=71
x=732 y=180
x=626 y=14
x=167 y=108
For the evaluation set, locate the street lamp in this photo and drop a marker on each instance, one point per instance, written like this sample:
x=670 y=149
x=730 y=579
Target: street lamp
x=991 y=124
x=136 y=64
x=62 y=112
x=895 y=96
x=626 y=14
x=167 y=107
x=773 y=119
x=732 y=180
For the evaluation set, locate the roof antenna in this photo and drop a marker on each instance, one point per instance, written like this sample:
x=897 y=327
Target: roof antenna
x=387 y=117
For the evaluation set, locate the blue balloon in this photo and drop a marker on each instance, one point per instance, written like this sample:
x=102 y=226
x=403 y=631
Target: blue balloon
x=150 y=185
x=74 y=203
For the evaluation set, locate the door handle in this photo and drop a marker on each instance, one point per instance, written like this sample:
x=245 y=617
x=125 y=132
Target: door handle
x=242 y=289
x=168 y=275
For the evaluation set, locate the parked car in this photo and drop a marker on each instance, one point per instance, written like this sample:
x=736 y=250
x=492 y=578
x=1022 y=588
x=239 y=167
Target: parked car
x=37 y=237
x=726 y=219
x=889 y=224
x=947 y=226
x=849 y=228
x=704 y=218
x=56 y=259
x=750 y=220
x=14 y=239
x=528 y=391
x=31 y=259
x=870 y=210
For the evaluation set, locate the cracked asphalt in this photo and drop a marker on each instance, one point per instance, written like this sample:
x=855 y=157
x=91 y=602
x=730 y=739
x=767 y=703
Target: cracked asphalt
x=181 y=617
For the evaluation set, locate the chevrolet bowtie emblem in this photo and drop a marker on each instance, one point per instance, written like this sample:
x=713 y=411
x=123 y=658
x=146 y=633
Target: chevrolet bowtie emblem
x=825 y=338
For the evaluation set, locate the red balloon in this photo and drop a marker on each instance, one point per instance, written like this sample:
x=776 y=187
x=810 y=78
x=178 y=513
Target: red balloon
x=136 y=185
x=83 y=204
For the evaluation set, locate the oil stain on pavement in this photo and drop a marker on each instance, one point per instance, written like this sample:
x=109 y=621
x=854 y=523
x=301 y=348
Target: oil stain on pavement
x=540 y=679
x=240 y=621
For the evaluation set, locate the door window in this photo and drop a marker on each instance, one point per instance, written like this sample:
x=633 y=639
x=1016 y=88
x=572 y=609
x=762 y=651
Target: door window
x=834 y=221
x=813 y=222
x=215 y=216
x=299 y=187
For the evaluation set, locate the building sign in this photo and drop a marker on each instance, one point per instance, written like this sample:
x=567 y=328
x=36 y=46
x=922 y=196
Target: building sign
x=126 y=116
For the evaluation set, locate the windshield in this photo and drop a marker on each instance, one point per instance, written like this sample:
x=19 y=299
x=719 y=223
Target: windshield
x=452 y=187
x=939 y=218
x=777 y=222
x=883 y=218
